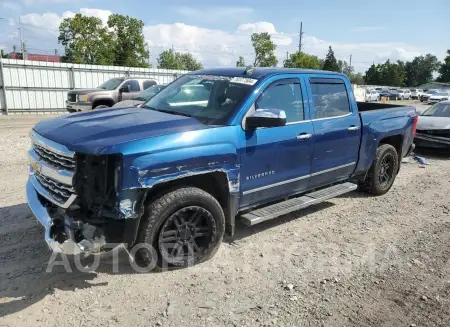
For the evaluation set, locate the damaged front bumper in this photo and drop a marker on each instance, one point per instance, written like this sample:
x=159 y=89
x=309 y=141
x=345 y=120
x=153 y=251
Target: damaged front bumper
x=63 y=234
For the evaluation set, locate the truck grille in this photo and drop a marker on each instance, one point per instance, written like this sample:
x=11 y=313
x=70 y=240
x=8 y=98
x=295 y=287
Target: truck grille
x=59 y=191
x=56 y=180
x=72 y=97
x=55 y=159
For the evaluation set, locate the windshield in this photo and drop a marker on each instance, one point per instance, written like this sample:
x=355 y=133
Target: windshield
x=432 y=92
x=442 y=94
x=438 y=110
x=211 y=99
x=111 y=84
x=149 y=93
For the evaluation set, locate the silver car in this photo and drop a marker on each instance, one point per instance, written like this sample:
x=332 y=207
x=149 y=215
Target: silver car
x=372 y=95
x=433 y=127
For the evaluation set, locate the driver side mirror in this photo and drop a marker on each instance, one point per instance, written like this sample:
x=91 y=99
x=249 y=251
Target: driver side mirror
x=125 y=89
x=266 y=118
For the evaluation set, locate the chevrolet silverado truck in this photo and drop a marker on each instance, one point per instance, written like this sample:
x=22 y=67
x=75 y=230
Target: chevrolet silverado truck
x=175 y=178
x=107 y=94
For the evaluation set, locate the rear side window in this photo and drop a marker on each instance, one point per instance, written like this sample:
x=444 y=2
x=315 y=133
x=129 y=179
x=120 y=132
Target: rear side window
x=133 y=84
x=147 y=84
x=330 y=98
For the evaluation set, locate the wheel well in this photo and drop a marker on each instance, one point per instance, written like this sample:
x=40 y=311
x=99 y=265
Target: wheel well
x=215 y=183
x=106 y=102
x=397 y=142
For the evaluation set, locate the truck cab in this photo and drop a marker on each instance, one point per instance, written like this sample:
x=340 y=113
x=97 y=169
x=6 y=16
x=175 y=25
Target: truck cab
x=170 y=178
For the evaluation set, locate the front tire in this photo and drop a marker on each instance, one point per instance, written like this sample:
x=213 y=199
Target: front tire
x=383 y=172
x=184 y=226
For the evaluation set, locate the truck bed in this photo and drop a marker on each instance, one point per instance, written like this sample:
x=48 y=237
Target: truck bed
x=369 y=106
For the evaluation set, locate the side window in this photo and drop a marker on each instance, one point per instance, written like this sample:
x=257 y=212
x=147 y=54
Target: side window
x=283 y=95
x=330 y=99
x=148 y=83
x=133 y=85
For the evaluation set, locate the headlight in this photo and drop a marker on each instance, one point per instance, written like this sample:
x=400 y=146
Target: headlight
x=83 y=97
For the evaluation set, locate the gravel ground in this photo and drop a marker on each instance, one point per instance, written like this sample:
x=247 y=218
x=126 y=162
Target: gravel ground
x=352 y=261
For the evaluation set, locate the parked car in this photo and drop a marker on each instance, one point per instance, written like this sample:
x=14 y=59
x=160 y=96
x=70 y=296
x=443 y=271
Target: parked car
x=439 y=96
x=109 y=93
x=433 y=128
x=372 y=95
x=427 y=95
x=404 y=94
x=416 y=93
x=389 y=94
x=175 y=175
x=141 y=97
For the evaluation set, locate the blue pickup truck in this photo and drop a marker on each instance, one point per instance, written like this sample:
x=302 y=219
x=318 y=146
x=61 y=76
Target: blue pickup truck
x=172 y=177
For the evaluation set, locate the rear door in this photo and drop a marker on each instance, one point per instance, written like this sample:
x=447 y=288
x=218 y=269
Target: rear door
x=337 y=130
x=276 y=161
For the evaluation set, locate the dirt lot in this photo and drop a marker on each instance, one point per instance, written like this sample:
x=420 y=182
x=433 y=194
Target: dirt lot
x=352 y=261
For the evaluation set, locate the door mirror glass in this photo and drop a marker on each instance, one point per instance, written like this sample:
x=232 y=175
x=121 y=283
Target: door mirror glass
x=266 y=118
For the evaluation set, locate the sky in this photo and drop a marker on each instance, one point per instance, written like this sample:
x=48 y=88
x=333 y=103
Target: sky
x=217 y=33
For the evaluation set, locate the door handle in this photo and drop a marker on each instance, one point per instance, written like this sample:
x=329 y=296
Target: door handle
x=353 y=128
x=303 y=137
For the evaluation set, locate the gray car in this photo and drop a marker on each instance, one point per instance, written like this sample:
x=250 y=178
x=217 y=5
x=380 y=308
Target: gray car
x=107 y=94
x=141 y=97
x=433 y=127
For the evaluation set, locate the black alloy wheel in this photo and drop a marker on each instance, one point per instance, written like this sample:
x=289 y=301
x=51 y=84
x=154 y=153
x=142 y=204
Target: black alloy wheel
x=186 y=235
x=386 y=172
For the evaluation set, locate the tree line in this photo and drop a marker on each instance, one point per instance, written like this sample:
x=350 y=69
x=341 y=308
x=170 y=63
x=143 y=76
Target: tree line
x=122 y=43
x=416 y=72
x=265 y=48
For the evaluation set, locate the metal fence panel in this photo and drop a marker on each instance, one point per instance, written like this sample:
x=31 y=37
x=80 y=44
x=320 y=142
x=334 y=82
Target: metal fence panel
x=27 y=86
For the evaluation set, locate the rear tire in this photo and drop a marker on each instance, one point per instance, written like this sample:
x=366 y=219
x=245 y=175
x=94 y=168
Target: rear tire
x=184 y=226
x=383 y=172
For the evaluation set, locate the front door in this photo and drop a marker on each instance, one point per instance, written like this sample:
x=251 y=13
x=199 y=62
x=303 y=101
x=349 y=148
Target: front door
x=277 y=161
x=134 y=87
x=337 y=131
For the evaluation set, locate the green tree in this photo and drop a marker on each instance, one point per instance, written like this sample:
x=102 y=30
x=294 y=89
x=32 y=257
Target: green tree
x=330 y=62
x=357 y=79
x=372 y=75
x=188 y=62
x=264 y=50
x=169 y=59
x=129 y=46
x=420 y=70
x=302 y=60
x=86 y=41
x=3 y=54
x=240 y=62
x=444 y=70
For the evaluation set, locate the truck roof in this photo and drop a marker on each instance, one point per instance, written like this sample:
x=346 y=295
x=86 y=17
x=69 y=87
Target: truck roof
x=259 y=72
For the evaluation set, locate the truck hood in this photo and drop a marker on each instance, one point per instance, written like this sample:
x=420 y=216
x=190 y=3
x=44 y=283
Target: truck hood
x=93 y=131
x=430 y=122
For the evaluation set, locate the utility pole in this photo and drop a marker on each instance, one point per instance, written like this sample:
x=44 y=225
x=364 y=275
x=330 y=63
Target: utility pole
x=148 y=58
x=300 y=38
x=350 y=65
x=22 y=47
x=287 y=55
